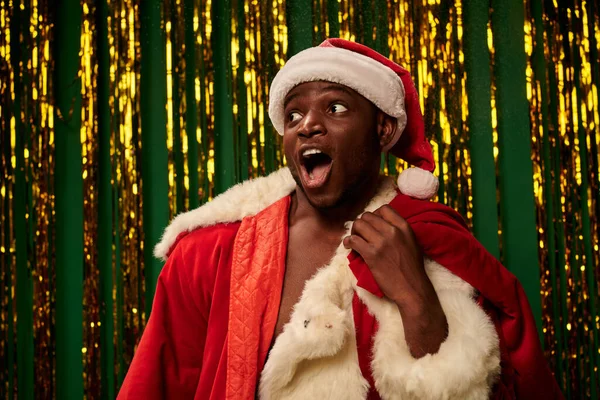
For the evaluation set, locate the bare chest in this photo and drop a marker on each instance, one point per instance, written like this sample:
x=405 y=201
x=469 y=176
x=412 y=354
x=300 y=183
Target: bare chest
x=306 y=253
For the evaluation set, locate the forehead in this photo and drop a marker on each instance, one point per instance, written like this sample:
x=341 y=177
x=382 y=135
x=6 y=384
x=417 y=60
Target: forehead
x=318 y=87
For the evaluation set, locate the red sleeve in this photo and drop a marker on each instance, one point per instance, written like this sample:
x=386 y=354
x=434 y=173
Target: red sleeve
x=168 y=360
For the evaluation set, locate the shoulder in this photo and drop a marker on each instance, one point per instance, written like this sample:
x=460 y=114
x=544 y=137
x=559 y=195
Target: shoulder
x=200 y=261
x=426 y=211
x=238 y=202
x=204 y=241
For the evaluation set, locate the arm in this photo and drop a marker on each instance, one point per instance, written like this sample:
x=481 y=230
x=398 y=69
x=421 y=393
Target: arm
x=388 y=246
x=422 y=352
x=168 y=360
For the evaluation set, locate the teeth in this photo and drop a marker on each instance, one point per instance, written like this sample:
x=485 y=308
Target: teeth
x=311 y=152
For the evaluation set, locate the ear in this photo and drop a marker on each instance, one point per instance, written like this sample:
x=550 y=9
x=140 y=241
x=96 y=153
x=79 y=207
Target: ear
x=386 y=128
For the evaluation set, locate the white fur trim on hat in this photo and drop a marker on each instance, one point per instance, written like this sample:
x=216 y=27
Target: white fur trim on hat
x=418 y=183
x=371 y=79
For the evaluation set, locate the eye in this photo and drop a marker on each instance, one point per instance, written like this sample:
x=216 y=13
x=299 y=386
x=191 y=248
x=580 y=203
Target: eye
x=294 y=116
x=338 y=108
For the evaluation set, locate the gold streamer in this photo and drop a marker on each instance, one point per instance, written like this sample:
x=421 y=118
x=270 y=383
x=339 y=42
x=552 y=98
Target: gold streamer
x=89 y=149
x=35 y=117
x=431 y=49
x=419 y=38
x=7 y=165
x=124 y=101
x=573 y=344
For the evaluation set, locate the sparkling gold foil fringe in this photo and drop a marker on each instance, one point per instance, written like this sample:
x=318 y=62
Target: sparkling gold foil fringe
x=419 y=38
x=578 y=109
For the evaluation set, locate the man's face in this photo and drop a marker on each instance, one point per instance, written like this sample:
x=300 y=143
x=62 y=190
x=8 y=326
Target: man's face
x=330 y=142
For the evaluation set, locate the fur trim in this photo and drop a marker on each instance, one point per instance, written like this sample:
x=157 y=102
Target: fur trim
x=242 y=200
x=418 y=183
x=373 y=80
x=315 y=357
x=467 y=363
x=306 y=360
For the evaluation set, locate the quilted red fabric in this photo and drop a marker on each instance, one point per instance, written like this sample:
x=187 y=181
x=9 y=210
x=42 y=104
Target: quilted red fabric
x=256 y=283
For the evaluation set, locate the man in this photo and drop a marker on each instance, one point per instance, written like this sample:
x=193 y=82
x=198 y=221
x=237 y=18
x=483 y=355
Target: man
x=325 y=280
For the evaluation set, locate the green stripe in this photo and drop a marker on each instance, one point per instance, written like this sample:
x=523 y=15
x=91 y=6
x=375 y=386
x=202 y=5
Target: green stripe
x=270 y=134
x=481 y=145
x=223 y=134
x=368 y=22
x=68 y=202
x=191 y=119
x=299 y=22
x=381 y=27
x=154 y=138
x=516 y=171
x=333 y=15
x=242 y=116
x=105 y=211
x=176 y=100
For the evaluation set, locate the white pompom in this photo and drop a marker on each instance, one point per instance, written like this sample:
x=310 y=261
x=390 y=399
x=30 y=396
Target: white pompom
x=418 y=183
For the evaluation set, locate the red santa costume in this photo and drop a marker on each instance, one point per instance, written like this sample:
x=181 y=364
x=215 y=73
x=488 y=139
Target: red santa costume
x=218 y=296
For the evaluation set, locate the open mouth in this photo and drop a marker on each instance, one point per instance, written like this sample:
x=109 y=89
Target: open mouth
x=316 y=167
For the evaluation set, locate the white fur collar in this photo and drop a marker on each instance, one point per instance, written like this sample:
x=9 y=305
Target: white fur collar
x=242 y=200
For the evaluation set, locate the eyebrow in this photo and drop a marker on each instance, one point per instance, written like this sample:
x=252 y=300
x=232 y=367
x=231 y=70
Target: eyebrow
x=329 y=88
x=337 y=88
x=290 y=98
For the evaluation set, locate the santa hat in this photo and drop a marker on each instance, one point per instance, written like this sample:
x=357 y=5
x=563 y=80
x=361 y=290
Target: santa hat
x=381 y=81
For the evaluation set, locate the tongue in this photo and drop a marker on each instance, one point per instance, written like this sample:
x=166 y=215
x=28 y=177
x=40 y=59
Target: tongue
x=319 y=171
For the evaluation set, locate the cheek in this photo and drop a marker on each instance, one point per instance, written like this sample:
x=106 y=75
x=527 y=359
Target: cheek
x=362 y=150
x=289 y=147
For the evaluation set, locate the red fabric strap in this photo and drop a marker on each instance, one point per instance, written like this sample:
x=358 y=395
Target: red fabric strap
x=257 y=274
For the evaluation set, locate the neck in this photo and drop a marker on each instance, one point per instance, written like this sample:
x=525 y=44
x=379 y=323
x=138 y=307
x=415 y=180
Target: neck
x=333 y=218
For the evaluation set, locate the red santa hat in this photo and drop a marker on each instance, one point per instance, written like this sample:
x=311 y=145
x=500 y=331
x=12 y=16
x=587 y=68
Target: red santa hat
x=381 y=81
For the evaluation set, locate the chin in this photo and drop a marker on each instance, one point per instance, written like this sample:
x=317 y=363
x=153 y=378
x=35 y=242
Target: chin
x=320 y=198
x=323 y=202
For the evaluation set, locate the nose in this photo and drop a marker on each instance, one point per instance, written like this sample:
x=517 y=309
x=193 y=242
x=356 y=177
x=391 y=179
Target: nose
x=312 y=124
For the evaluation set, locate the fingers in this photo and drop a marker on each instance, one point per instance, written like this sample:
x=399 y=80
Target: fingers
x=369 y=228
x=400 y=224
x=391 y=216
x=358 y=244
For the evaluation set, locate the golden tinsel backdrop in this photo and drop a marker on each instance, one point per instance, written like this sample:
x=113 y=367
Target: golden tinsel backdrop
x=117 y=115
